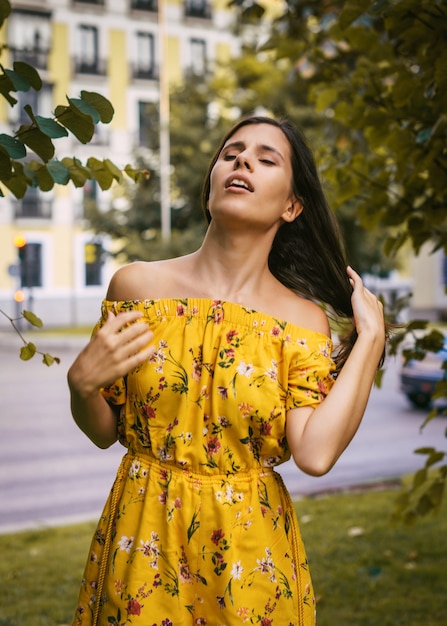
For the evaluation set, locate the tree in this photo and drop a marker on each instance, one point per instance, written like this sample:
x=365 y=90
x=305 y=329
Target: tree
x=376 y=72
x=19 y=170
x=201 y=111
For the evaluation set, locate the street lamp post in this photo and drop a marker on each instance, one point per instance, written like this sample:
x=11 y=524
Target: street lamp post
x=165 y=188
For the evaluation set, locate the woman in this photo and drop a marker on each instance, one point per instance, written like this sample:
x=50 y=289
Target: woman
x=211 y=369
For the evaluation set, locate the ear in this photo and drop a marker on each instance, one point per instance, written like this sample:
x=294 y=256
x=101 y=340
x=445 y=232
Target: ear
x=294 y=208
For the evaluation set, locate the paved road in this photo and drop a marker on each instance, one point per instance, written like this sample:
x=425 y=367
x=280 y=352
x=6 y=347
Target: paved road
x=50 y=473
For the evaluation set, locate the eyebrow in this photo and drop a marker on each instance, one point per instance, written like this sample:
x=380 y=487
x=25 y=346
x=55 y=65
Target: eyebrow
x=263 y=147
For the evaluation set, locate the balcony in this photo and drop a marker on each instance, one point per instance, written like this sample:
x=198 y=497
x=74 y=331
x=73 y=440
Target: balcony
x=198 y=9
x=33 y=207
x=99 y=3
x=36 y=57
x=144 y=5
x=140 y=72
x=95 y=67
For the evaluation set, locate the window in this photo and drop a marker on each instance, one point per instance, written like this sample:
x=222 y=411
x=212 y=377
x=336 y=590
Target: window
x=197 y=8
x=29 y=34
x=148 y=128
x=30 y=258
x=198 y=57
x=93 y=253
x=88 y=61
x=32 y=205
x=41 y=103
x=145 y=56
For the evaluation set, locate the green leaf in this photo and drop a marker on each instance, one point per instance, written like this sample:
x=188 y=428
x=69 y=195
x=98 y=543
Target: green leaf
x=78 y=173
x=423 y=135
x=28 y=351
x=436 y=493
x=29 y=73
x=48 y=359
x=32 y=319
x=86 y=108
x=5 y=87
x=419 y=478
x=417 y=325
x=5 y=164
x=37 y=141
x=101 y=104
x=19 y=82
x=100 y=172
x=58 y=172
x=137 y=175
x=350 y=13
x=78 y=123
x=50 y=127
x=114 y=170
x=5 y=10
x=16 y=185
x=424 y=505
x=324 y=97
x=44 y=180
x=14 y=148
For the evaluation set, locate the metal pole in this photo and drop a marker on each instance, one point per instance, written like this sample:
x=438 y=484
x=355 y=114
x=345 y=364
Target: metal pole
x=165 y=191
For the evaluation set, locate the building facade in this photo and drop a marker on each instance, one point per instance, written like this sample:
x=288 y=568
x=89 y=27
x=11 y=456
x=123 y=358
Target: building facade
x=112 y=47
x=121 y=49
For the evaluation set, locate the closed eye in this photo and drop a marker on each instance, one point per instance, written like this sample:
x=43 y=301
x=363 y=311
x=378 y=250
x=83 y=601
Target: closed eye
x=229 y=157
x=267 y=162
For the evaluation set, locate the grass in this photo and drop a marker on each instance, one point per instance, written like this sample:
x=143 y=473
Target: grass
x=365 y=571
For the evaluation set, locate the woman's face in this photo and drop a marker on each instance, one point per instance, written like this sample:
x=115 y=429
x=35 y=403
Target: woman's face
x=251 y=180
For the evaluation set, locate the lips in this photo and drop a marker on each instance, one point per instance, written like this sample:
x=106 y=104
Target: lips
x=238 y=181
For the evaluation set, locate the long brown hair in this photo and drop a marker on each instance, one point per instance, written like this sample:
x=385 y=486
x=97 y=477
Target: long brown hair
x=307 y=255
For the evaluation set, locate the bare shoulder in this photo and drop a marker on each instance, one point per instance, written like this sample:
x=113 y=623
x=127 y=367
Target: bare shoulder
x=144 y=280
x=305 y=313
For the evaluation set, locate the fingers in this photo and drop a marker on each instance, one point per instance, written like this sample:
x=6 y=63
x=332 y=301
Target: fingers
x=124 y=342
x=368 y=310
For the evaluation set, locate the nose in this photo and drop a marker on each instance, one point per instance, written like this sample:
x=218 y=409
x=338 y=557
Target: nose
x=242 y=161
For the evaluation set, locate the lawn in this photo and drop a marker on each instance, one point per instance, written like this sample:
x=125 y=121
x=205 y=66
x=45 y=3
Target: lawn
x=366 y=572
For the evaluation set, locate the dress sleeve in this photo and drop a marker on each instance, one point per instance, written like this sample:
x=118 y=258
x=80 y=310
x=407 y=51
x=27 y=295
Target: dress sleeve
x=311 y=370
x=115 y=393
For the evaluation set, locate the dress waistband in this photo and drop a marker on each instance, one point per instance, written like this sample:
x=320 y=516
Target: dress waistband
x=187 y=474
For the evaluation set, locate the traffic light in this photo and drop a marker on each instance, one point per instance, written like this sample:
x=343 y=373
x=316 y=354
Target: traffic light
x=25 y=261
x=20 y=244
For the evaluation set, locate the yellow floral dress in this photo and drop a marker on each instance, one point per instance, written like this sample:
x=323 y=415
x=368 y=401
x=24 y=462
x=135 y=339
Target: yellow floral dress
x=198 y=527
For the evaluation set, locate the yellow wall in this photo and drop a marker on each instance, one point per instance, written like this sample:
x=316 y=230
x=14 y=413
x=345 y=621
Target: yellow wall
x=63 y=262
x=173 y=61
x=223 y=53
x=118 y=77
x=4 y=106
x=59 y=65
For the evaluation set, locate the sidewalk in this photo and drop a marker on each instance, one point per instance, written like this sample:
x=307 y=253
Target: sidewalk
x=45 y=340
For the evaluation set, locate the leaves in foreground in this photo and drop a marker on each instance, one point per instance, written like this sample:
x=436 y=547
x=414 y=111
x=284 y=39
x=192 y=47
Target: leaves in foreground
x=29 y=349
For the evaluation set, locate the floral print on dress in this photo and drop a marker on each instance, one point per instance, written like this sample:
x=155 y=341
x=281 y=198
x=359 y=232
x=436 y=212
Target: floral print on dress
x=199 y=528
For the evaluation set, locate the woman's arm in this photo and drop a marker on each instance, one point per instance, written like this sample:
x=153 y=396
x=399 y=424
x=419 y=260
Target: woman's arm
x=317 y=437
x=118 y=347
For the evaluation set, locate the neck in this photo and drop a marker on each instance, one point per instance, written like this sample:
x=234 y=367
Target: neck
x=233 y=265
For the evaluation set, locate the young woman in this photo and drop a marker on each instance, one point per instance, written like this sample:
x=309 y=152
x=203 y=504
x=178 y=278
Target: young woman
x=212 y=369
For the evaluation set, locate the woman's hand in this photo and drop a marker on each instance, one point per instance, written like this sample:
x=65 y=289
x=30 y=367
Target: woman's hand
x=118 y=347
x=368 y=310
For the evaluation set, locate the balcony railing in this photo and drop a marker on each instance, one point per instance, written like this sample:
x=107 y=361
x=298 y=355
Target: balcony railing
x=145 y=73
x=144 y=5
x=33 y=207
x=196 y=8
x=99 y=3
x=97 y=67
x=38 y=58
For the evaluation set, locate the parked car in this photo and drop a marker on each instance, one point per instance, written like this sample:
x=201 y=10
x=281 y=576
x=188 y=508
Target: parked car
x=418 y=378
